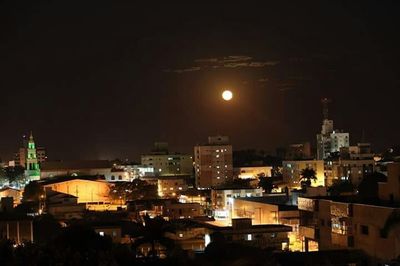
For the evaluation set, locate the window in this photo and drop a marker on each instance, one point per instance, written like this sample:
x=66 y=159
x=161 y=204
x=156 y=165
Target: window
x=364 y=230
x=101 y=233
x=112 y=177
x=249 y=237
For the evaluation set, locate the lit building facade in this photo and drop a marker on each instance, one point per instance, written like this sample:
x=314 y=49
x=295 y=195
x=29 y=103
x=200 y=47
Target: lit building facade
x=213 y=162
x=169 y=164
x=32 y=169
x=348 y=223
x=171 y=187
x=86 y=191
x=252 y=172
x=291 y=171
x=222 y=199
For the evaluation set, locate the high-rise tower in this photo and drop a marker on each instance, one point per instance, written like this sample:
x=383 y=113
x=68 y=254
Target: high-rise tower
x=329 y=141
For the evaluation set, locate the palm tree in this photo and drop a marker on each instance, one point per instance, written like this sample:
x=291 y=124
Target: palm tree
x=153 y=231
x=306 y=176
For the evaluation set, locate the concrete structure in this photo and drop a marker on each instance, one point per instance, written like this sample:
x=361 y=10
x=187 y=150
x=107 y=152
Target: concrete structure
x=242 y=231
x=171 y=186
x=17 y=229
x=330 y=141
x=75 y=168
x=262 y=212
x=64 y=206
x=196 y=235
x=32 y=169
x=166 y=163
x=86 y=189
x=113 y=231
x=14 y=193
x=22 y=154
x=128 y=172
x=349 y=223
x=222 y=199
x=174 y=210
x=291 y=171
x=390 y=190
x=348 y=170
x=252 y=172
x=213 y=162
x=338 y=223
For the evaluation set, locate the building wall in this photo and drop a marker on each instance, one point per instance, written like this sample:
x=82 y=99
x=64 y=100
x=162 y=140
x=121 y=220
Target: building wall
x=262 y=213
x=14 y=193
x=18 y=231
x=169 y=164
x=292 y=169
x=213 y=165
x=171 y=187
x=222 y=200
x=69 y=172
x=340 y=225
x=182 y=210
x=390 y=190
x=252 y=172
x=85 y=190
x=113 y=232
x=351 y=170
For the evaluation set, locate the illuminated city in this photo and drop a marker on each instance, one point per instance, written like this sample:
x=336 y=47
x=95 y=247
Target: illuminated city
x=200 y=134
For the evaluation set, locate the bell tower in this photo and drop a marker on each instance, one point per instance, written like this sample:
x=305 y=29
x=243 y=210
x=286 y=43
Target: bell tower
x=32 y=169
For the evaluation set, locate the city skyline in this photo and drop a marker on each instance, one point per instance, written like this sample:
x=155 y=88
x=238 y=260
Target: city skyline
x=121 y=80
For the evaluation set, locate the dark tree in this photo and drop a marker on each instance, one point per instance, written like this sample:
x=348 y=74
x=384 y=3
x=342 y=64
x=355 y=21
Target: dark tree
x=306 y=176
x=15 y=174
x=265 y=182
x=339 y=187
x=153 y=231
x=33 y=192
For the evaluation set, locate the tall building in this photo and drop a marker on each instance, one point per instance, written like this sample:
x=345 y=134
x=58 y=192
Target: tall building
x=32 y=170
x=330 y=141
x=166 y=163
x=213 y=162
x=21 y=155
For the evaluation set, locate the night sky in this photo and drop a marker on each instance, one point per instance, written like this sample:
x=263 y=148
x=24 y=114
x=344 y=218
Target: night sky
x=101 y=80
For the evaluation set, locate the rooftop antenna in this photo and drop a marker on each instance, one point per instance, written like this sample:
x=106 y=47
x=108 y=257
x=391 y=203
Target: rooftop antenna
x=325 y=108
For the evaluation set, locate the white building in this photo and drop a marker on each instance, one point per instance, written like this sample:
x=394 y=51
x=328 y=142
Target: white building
x=222 y=199
x=169 y=164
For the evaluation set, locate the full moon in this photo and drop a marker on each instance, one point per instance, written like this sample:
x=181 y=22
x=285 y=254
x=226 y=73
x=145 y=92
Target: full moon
x=227 y=95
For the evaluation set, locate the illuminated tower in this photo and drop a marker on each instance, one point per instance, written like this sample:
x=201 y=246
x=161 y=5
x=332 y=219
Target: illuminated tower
x=32 y=170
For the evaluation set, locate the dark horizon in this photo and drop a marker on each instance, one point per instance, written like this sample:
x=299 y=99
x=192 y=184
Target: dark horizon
x=101 y=80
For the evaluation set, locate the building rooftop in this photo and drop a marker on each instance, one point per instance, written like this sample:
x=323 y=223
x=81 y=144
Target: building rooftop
x=356 y=200
x=60 y=179
x=268 y=200
x=73 y=165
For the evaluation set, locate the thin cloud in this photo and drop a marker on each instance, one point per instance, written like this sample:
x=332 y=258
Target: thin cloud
x=231 y=61
x=179 y=71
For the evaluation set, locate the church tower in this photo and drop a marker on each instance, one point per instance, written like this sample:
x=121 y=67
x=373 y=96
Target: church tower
x=32 y=170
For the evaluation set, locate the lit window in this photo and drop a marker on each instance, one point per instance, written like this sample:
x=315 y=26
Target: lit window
x=248 y=237
x=101 y=233
x=180 y=235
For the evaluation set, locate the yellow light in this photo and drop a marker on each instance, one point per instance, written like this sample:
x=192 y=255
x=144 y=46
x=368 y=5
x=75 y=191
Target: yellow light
x=227 y=95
